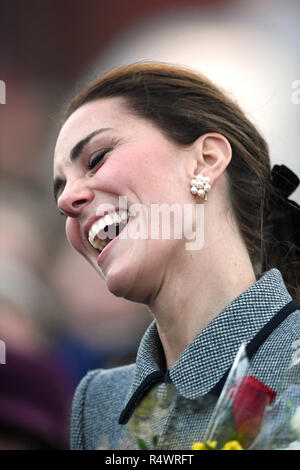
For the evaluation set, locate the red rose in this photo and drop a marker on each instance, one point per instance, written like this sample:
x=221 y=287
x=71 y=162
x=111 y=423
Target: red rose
x=250 y=399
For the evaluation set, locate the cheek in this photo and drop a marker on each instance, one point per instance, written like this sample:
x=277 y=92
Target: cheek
x=74 y=235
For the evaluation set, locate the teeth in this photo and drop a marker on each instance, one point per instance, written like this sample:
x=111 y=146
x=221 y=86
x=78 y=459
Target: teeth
x=95 y=228
x=108 y=220
x=99 y=241
x=117 y=218
x=98 y=244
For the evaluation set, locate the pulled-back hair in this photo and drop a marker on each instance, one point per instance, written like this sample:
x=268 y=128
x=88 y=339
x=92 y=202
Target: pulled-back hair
x=186 y=105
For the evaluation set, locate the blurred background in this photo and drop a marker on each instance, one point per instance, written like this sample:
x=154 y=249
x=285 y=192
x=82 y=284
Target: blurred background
x=49 y=49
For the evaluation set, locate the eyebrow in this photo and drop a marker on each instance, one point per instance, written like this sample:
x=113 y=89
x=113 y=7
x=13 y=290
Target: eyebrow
x=79 y=147
x=75 y=154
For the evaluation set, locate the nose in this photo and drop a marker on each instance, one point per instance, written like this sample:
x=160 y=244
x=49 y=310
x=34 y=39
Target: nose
x=74 y=199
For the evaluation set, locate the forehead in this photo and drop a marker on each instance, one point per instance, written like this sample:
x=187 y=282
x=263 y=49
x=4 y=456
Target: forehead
x=102 y=113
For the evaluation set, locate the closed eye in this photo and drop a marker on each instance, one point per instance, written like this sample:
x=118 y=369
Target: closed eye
x=97 y=158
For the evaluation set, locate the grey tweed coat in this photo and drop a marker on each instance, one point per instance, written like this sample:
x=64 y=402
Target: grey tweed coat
x=106 y=398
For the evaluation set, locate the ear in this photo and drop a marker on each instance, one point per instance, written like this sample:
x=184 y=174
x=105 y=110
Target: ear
x=212 y=154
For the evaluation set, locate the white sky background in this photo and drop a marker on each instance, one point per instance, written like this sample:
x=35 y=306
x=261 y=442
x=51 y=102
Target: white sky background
x=251 y=48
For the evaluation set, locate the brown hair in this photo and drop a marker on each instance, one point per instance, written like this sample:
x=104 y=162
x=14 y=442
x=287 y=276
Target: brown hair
x=186 y=105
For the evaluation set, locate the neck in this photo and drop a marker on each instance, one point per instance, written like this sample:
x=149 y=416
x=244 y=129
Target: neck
x=209 y=280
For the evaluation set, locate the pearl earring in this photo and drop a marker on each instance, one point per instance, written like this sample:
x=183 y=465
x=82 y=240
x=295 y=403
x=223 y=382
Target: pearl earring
x=200 y=186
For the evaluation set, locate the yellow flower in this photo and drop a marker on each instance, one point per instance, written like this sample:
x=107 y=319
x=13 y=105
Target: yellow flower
x=232 y=445
x=207 y=445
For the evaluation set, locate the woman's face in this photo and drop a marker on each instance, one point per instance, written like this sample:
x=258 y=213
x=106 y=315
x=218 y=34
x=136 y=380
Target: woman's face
x=104 y=152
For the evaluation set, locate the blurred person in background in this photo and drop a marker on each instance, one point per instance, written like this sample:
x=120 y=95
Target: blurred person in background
x=157 y=133
x=34 y=401
x=35 y=388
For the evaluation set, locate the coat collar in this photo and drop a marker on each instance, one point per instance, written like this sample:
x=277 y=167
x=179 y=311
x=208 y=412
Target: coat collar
x=205 y=360
x=203 y=363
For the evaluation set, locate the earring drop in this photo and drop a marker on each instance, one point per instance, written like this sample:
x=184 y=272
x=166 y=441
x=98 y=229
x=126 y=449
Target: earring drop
x=200 y=186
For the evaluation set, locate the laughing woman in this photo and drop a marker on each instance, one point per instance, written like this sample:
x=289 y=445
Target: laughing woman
x=161 y=134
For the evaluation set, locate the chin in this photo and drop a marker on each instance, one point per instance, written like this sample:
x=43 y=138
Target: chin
x=124 y=284
x=119 y=284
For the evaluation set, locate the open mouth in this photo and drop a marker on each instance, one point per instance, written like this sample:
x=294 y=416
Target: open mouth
x=105 y=229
